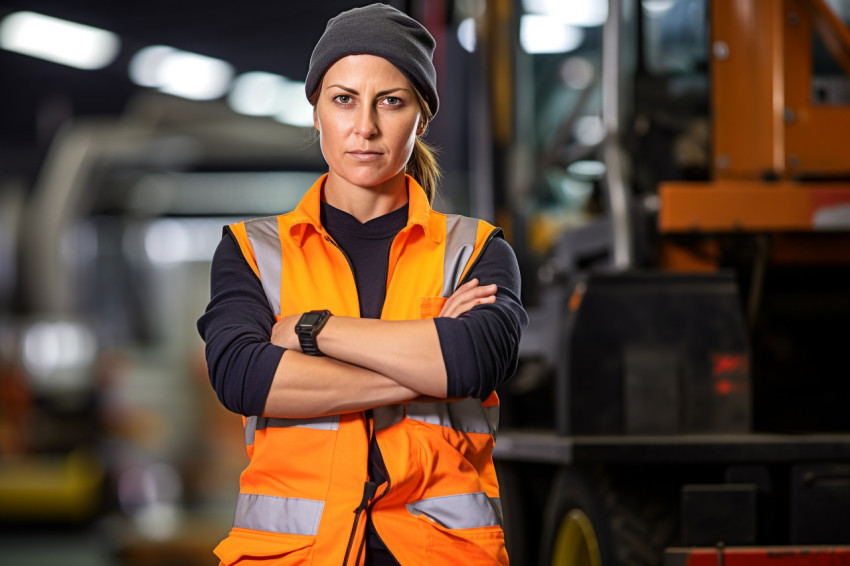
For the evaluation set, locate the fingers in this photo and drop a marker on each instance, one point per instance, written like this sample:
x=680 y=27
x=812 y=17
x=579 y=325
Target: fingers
x=283 y=333
x=467 y=296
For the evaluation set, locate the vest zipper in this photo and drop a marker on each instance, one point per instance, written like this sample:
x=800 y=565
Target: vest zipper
x=369 y=489
x=372 y=504
x=347 y=259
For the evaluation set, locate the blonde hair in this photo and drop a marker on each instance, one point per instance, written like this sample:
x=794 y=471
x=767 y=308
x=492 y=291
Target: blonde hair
x=422 y=165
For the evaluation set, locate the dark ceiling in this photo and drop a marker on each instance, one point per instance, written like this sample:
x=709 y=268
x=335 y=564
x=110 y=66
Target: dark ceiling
x=36 y=95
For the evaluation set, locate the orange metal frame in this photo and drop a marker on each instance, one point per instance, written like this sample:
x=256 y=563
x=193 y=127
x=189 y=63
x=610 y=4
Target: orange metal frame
x=754 y=206
x=765 y=125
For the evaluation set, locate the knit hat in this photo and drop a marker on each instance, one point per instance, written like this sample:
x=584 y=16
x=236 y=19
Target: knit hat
x=381 y=30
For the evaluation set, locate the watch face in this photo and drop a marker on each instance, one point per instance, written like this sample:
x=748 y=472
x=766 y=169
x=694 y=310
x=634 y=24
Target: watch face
x=311 y=319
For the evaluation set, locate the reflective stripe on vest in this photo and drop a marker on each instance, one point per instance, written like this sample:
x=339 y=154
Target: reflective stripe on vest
x=464 y=511
x=468 y=415
x=253 y=424
x=460 y=243
x=265 y=241
x=285 y=515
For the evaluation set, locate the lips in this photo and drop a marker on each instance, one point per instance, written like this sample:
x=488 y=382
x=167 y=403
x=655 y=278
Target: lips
x=364 y=155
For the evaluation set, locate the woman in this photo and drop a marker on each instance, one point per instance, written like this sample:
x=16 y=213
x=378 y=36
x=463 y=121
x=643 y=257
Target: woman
x=363 y=334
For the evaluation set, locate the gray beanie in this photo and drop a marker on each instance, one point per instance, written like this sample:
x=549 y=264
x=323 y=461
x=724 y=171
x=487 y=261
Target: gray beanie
x=381 y=30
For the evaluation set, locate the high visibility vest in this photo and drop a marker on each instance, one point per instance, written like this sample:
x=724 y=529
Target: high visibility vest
x=303 y=496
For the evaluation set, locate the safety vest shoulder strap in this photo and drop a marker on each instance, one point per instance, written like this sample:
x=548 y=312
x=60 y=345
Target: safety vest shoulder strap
x=466 y=238
x=259 y=240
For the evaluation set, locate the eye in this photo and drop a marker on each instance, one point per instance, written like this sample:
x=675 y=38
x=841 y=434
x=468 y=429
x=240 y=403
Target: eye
x=393 y=101
x=342 y=98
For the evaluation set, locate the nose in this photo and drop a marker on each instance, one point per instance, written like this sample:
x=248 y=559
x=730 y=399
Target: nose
x=366 y=122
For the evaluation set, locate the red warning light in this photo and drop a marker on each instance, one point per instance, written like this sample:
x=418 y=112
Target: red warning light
x=723 y=387
x=728 y=363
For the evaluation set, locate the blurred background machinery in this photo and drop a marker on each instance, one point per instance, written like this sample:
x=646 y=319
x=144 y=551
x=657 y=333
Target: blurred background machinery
x=672 y=174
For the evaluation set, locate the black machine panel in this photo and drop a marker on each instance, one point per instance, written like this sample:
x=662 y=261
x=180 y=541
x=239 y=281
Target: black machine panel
x=655 y=353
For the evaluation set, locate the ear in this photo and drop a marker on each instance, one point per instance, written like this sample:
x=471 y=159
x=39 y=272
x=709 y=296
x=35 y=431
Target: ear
x=420 y=129
x=316 y=120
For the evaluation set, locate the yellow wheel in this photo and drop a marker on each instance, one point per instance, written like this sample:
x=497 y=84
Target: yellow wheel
x=575 y=542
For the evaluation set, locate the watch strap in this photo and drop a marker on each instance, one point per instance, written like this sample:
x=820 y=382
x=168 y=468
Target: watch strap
x=308 y=331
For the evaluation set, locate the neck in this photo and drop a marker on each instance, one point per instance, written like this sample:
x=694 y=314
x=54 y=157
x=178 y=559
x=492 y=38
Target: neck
x=365 y=203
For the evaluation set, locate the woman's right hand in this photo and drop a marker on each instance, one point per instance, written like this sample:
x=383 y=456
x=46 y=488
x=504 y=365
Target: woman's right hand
x=467 y=296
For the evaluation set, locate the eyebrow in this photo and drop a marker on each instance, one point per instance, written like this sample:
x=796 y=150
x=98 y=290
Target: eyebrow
x=381 y=93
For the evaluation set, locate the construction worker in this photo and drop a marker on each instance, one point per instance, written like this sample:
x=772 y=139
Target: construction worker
x=363 y=334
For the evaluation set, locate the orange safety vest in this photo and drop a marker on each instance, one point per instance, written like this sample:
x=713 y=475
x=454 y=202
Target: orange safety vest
x=301 y=497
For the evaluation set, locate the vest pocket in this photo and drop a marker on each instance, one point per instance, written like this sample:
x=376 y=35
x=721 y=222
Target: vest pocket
x=430 y=307
x=477 y=545
x=247 y=548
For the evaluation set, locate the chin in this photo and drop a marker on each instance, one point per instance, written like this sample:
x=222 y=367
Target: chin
x=368 y=179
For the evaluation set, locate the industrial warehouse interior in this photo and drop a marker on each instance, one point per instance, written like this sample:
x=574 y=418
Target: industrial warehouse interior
x=672 y=175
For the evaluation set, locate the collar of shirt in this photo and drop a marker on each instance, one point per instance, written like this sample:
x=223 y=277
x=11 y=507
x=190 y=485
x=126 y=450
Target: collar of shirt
x=308 y=212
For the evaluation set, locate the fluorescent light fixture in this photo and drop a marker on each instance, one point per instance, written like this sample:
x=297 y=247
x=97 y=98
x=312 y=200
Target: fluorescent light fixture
x=589 y=130
x=181 y=73
x=582 y=13
x=657 y=8
x=542 y=34
x=466 y=34
x=58 y=41
x=145 y=65
x=59 y=354
x=577 y=72
x=194 y=76
x=266 y=94
x=295 y=110
x=257 y=94
x=171 y=241
x=589 y=170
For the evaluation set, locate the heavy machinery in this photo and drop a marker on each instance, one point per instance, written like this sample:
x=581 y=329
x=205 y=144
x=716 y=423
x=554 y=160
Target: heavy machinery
x=682 y=395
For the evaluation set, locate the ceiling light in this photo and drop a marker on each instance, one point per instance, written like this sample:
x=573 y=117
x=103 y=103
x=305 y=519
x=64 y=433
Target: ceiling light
x=145 y=65
x=194 y=76
x=266 y=94
x=59 y=41
x=181 y=73
x=257 y=94
x=542 y=34
x=583 y=13
x=295 y=109
x=59 y=354
x=466 y=34
x=577 y=72
x=589 y=130
x=657 y=8
x=589 y=170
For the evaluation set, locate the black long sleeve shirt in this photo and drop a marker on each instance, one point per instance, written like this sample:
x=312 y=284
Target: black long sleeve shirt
x=479 y=348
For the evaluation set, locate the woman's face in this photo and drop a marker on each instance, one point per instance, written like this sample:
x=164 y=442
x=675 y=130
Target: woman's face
x=368 y=118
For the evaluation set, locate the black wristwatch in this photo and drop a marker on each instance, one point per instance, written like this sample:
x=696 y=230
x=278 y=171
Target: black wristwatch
x=308 y=328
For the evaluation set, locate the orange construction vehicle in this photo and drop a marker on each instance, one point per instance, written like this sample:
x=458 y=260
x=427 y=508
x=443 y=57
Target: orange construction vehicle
x=682 y=398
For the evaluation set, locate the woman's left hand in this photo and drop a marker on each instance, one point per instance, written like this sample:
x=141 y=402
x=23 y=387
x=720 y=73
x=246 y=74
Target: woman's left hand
x=283 y=333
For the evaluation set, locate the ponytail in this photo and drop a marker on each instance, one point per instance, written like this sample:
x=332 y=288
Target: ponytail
x=422 y=164
x=423 y=167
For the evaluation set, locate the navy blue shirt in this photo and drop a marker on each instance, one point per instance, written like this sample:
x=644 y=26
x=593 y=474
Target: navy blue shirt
x=479 y=348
